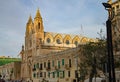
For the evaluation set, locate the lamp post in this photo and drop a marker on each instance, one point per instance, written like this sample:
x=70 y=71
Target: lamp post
x=111 y=67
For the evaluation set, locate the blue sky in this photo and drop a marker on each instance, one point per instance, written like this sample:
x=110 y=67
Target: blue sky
x=62 y=16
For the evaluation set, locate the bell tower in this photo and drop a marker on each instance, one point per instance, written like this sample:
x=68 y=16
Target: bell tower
x=29 y=26
x=38 y=27
x=28 y=33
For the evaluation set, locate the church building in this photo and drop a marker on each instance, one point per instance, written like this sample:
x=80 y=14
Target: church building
x=47 y=55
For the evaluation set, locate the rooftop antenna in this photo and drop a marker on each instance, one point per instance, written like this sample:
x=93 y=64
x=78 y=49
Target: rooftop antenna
x=81 y=30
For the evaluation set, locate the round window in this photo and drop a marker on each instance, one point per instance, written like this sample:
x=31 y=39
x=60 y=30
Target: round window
x=48 y=40
x=76 y=43
x=58 y=41
x=67 y=42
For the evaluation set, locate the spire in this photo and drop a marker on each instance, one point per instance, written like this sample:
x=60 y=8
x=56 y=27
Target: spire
x=38 y=15
x=30 y=19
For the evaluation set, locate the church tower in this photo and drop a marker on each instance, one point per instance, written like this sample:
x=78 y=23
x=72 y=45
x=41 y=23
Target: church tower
x=29 y=26
x=27 y=57
x=29 y=31
x=34 y=36
x=39 y=29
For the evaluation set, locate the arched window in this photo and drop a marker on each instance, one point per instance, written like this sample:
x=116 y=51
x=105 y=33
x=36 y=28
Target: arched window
x=49 y=64
x=58 y=41
x=38 y=25
x=48 y=40
x=67 y=42
x=34 y=75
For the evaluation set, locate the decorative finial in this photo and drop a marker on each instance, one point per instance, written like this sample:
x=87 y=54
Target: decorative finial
x=38 y=15
x=30 y=19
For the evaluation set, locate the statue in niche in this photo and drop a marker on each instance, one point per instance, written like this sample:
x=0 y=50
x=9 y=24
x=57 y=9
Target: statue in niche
x=22 y=53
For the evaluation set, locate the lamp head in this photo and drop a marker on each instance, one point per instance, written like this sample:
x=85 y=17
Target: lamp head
x=107 y=5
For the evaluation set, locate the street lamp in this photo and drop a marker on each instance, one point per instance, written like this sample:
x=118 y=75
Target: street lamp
x=111 y=67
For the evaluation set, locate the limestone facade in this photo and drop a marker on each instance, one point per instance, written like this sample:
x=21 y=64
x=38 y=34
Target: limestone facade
x=56 y=66
x=11 y=70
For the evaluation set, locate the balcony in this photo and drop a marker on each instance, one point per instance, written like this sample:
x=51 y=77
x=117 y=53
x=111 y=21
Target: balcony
x=48 y=68
x=56 y=68
x=67 y=67
x=34 y=69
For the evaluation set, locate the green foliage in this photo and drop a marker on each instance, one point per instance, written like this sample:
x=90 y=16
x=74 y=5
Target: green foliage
x=83 y=71
x=4 y=61
x=93 y=56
